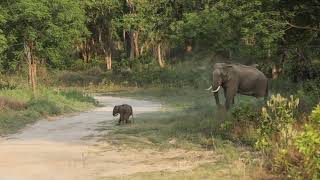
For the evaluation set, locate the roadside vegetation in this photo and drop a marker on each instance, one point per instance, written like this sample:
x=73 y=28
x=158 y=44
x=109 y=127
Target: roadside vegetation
x=19 y=106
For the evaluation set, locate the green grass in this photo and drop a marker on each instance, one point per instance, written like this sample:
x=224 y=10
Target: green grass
x=48 y=102
x=189 y=120
x=189 y=116
x=218 y=170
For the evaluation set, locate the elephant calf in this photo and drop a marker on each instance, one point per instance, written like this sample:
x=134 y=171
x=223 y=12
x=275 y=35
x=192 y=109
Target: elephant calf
x=125 y=112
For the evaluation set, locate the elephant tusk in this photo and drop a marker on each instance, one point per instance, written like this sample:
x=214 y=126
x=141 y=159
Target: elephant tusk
x=216 y=90
x=209 y=88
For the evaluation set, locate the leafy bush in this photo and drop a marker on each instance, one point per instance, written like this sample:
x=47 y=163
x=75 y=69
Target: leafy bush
x=7 y=84
x=78 y=96
x=276 y=128
x=276 y=132
x=245 y=120
x=91 y=76
x=45 y=107
x=11 y=103
x=308 y=144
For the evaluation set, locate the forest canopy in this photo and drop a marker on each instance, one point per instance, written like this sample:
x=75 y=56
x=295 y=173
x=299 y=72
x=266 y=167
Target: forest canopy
x=60 y=33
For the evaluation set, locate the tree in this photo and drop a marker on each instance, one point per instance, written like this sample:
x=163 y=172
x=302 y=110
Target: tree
x=43 y=31
x=100 y=15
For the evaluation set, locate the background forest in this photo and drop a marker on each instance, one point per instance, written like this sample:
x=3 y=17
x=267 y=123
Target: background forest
x=105 y=45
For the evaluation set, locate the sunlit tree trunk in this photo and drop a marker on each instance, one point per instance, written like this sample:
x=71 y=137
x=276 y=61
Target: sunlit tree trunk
x=160 y=56
x=132 y=46
x=32 y=65
x=277 y=66
x=108 y=59
x=136 y=43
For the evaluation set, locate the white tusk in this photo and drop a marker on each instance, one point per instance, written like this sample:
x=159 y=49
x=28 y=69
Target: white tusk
x=209 y=88
x=216 y=89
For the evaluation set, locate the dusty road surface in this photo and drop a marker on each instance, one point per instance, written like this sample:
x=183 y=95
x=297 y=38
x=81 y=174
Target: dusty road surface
x=66 y=148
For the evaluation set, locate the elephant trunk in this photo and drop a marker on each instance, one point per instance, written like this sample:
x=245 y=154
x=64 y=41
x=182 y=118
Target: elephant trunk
x=216 y=84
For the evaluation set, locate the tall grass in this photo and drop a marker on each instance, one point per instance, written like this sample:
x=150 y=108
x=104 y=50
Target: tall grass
x=47 y=102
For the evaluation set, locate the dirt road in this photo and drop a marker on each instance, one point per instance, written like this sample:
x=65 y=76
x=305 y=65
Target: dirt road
x=67 y=148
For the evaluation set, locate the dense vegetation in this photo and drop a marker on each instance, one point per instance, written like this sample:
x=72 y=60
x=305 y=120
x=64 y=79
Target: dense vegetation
x=170 y=44
x=64 y=34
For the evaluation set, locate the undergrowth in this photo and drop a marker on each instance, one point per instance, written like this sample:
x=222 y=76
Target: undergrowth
x=47 y=102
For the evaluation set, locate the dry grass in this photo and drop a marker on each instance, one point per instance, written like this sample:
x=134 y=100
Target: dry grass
x=11 y=103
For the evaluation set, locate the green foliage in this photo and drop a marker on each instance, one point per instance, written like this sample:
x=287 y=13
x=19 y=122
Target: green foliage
x=276 y=129
x=50 y=27
x=308 y=144
x=245 y=119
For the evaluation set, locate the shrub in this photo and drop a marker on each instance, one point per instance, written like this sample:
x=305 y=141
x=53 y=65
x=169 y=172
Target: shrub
x=7 y=84
x=245 y=119
x=276 y=123
x=276 y=132
x=79 y=96
x=11 y=103
x=44 y=106
x=308 y=144
x=79 y=78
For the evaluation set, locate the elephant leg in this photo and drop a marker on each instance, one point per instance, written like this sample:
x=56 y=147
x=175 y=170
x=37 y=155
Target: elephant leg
x=126 y=118
x=121 y=119
x=230 y=94
x=216 y=96
x=225 y=95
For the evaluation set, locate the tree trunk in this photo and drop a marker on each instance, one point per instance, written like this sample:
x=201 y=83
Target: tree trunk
x=136 y=43
x=160 y=56
x=132 y=49
x=108 y=59
x=276 y=70
x=277 y=67
x=32 y=65
x=188 y=44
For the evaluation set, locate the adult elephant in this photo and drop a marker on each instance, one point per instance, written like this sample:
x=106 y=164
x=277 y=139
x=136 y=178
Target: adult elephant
x=237 y=78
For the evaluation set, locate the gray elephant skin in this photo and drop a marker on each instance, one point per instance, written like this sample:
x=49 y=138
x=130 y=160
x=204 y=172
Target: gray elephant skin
x=125 y=112
x=237 y=78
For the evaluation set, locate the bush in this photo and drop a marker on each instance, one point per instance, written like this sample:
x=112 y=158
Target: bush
x=7 y=84
x=79 y=96
x=246 y=117
x=44 y=106
x=91 y=76
x=276 y=132
x=11 y=103
x=276 y=128
x=308 y=144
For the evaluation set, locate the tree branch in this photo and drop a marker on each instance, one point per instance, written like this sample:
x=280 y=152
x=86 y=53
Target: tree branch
x=303 y=27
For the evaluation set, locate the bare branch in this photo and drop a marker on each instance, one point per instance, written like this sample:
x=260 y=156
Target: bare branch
x=303 y=27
